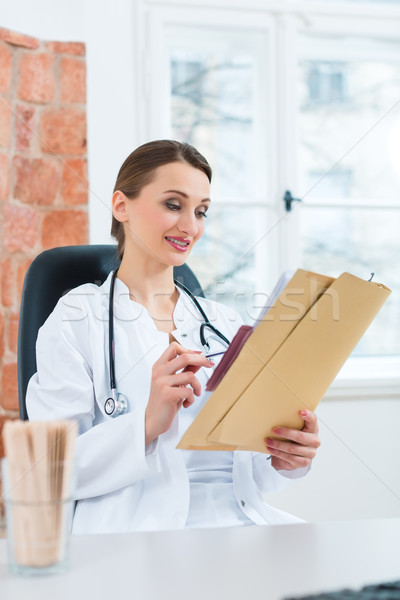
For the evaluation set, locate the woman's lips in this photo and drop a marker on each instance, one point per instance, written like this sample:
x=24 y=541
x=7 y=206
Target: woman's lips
x=178 y=243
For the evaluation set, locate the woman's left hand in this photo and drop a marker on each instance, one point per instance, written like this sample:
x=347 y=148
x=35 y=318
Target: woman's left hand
x=298 y=448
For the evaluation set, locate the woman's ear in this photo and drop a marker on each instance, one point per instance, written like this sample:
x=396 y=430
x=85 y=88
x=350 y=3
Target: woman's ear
x=119 y=206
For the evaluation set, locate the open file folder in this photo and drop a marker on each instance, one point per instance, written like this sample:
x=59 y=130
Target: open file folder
x=286 y=362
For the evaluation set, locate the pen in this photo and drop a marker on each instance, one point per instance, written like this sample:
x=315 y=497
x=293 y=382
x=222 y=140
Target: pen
x=215 y=354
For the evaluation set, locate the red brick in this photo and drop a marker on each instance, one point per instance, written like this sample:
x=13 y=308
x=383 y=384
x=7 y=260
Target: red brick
x=7 y=282
x=73 y=80
x=9 y=379
x=36 y=78
x=5 y=70
x=24 y=127
x=64 y=131
x=20 y=228
x=64 y=228
x=76 y=48
x=36 y=180
x=74 y=184
x=18 y=39
x=22 y=269
x=5 y=125
x=13 y=332
x=1 y=336
x=4 y=177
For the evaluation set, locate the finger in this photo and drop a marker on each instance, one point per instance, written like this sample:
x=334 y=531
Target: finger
x=192 y=368
x=280 y=464
x=184 y=394
x=290 y=448
x=185 y=379
x=310 y=421
x=187 y=402
x=293 y=460
x=186 y=360
x=175 y=349
x=302 y=437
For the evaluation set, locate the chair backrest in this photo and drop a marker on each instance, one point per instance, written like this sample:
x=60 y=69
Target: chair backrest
x=52 y=274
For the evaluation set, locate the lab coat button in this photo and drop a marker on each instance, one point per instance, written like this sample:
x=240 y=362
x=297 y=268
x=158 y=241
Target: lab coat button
x=243 y=503
x=184 y=334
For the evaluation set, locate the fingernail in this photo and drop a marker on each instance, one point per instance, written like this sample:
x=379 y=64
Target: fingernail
x=276 y=430
x=211 y=362
x=303 y=413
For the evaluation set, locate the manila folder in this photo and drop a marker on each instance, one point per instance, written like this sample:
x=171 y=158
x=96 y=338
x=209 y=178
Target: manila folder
x=288 y=362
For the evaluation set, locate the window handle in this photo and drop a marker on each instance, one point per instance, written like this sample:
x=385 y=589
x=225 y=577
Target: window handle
x=288 y=199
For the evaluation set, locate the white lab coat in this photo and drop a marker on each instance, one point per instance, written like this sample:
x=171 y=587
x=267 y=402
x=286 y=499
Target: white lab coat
x=121 y=485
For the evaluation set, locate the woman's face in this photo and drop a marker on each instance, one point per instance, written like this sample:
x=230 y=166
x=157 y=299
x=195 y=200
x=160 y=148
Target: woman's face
x=168 y=217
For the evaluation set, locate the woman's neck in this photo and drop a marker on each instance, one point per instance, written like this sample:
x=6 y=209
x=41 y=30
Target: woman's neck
x=149 y=284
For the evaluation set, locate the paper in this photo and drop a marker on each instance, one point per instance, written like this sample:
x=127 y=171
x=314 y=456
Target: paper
x=276 y=292
x=229 y=357
x=287 y=362
x=243 y=333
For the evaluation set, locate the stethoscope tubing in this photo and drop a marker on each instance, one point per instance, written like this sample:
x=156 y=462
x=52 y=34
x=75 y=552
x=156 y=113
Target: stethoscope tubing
x=206 y=322
x=111 y=346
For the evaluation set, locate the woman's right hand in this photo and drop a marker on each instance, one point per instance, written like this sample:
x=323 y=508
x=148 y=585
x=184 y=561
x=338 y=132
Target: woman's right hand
x=169 y=391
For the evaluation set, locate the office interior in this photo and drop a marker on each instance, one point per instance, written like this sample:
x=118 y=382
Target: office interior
x=298 y=97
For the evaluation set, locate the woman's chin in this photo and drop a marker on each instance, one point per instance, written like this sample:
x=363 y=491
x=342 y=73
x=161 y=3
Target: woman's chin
x=178 y=260
x=177 y=257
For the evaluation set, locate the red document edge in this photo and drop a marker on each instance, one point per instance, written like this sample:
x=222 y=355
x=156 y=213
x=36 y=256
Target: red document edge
x=229 y=357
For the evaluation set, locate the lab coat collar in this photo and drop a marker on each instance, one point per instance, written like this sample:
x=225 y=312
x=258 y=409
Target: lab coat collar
x=187 y=318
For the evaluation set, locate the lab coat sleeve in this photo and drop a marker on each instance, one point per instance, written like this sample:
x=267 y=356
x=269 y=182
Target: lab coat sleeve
x=109 y=455
x=270 y=480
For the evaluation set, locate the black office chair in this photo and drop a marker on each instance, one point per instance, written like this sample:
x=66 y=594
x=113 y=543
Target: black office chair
x=52 y=274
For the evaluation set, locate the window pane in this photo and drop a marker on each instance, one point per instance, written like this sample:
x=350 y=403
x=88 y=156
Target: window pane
x=212 y=99
x=225 y=264
x=215 y=90
x=218 y=104
x=349 y=153
x=349 y=119
x=360 y=242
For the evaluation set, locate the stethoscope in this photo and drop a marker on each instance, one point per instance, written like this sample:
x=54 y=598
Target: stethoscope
x=117 y=403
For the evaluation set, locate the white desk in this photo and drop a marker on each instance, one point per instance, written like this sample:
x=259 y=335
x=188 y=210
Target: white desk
x=266 y=563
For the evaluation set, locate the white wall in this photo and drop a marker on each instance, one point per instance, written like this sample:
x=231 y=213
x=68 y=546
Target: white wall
x=60 y=20
x=111 y=108
x=356 y=474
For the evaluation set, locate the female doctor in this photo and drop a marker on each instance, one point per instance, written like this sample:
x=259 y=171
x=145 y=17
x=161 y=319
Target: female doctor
x=130 y=476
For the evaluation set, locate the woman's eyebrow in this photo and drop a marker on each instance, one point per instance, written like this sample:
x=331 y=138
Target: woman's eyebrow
x=184 y=195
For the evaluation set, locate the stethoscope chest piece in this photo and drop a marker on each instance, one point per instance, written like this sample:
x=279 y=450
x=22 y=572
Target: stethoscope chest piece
x=115 y=405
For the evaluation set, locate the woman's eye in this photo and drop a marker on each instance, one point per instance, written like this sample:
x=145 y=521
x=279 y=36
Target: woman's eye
x=172 y=206
x=175 y=207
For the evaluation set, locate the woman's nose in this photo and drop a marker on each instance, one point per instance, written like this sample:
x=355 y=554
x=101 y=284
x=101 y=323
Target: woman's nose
x=188 y=224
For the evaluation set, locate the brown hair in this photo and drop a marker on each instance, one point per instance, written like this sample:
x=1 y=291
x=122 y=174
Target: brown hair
x=139 y=170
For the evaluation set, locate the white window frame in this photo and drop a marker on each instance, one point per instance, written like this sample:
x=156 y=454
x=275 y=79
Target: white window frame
x=283 y=19
x=372 y=377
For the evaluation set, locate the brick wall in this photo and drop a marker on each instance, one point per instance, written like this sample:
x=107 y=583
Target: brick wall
x=43 y=171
